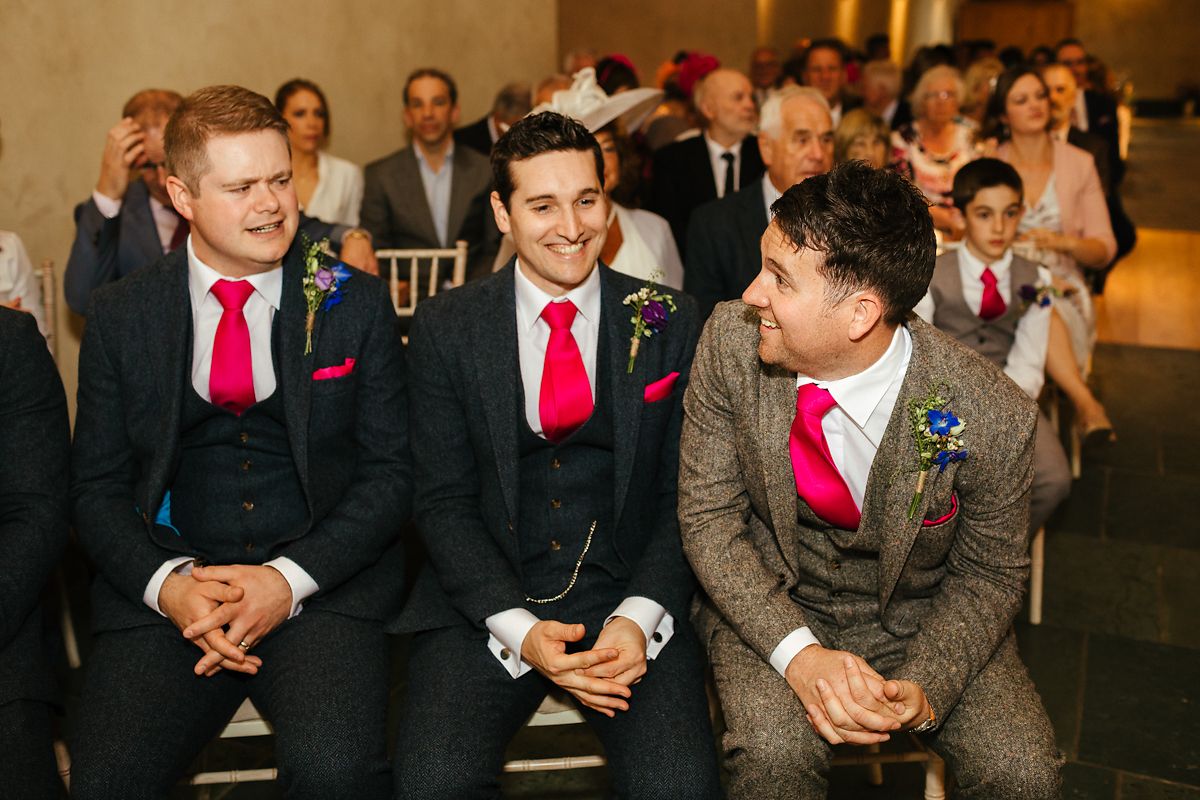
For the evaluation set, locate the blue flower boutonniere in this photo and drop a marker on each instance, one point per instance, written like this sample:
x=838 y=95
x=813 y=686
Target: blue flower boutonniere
x=1039 y=295
x=322 y=285
x=936 y=431
x=651 y=308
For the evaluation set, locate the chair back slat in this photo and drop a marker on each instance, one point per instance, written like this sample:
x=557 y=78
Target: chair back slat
x=405 y=298
x=50 y=305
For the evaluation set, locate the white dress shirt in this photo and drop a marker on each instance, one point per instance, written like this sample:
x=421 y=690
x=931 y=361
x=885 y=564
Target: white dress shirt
x=853 y=430
x=165 y=219
x=259 y=311
x=1079 y=115
x=339 y=191
x=770 y=194
x=18 y=281
x=716 y=159
x=508 y=629
x=1026 y=363
x=437 y=187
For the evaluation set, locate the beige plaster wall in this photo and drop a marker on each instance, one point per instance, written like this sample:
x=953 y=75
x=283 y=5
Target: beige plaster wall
x=1153 y=42
x=67 y=67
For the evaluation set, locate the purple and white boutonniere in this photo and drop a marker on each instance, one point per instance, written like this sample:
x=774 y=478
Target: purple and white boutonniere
x=1037 y=295
x=322 y=285
x=651 y=308
x=936 y=431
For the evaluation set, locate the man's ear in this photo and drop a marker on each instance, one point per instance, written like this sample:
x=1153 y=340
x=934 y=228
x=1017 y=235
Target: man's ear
x=865 y=315
x=501 y=213
x=181 y=197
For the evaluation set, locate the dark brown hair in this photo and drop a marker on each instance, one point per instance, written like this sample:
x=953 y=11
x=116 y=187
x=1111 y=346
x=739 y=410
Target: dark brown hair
x=295 y=85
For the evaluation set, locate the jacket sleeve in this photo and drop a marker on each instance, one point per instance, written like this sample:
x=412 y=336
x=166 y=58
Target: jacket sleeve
x=93 y=259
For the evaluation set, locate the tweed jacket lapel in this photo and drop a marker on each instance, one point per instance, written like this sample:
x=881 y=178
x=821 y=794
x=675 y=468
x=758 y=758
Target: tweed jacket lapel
x=295 y=368
x=776 y=409
x=168 y=334
x=628 y=389
x=494 y=342
x=893 y=477
x=410 y=196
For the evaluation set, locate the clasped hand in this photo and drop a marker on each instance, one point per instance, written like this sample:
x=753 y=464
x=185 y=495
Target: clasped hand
x=598 y=678
x=217 y=608
x=848 y=701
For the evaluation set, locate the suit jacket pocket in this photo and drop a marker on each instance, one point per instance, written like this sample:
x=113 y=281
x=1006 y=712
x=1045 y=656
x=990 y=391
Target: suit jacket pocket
x=661 y=389
x=942 y=519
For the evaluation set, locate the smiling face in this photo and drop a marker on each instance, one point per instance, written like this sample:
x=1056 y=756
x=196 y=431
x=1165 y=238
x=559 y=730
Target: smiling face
x=992 y=218
x=430 y=114
x=1027 y=107
x=557 y=216
x=244 y=212
x=305 y=115
x=799 y=329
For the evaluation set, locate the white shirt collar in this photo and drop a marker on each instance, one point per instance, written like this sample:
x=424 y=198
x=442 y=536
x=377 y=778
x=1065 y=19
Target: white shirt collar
x=859 y=395
x=531 y=299
x=770 y=194
x=715 y=150
x=975 y=267
x=447 y=159
x=201 y=278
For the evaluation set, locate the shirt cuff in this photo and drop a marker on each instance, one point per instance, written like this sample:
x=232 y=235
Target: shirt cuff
x=301 y=583
x=150 y=596
x=792 y=644
x=508 y=630
x=652 y=618
x=109 y=208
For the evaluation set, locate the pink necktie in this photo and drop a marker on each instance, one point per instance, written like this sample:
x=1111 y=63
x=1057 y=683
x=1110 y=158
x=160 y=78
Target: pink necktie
x=993 y=305
x=231 y=380
x=818 y=481
x=565 y=401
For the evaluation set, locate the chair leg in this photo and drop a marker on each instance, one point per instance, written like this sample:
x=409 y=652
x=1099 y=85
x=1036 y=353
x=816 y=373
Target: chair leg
x=935 y=778
x=1076 y=452
x=875 y=769
x=1037 y=559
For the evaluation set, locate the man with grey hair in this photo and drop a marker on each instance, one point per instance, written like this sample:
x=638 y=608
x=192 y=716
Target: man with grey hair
x=881 y=93
x=714 y=164
x=513 y=101
x=795 y=139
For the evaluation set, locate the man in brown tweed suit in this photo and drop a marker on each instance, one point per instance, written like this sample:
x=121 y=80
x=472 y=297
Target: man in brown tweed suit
x=833 y=612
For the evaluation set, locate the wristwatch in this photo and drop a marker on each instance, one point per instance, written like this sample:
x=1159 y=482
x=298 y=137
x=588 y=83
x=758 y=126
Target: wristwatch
x=928 y=724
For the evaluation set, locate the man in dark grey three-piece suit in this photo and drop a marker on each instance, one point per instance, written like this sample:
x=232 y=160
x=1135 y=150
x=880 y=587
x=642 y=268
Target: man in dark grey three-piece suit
x=545 y=494
x=846 y=598
x=432 y=193
x=240 y=474
x=33 y=531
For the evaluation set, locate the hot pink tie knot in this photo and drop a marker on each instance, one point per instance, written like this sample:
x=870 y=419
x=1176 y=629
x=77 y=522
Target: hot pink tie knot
x=559 y=316
x=812 y=399
x=232 y=295
x=818 y=481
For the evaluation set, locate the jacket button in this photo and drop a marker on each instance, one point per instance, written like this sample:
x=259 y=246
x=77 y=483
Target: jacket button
x=246 y=466
x=249 y=547
x=146 y=517
x=556 y=504
x=505 y=653
x=555 y=545
x=243 y=437
x=247 y=506
x=555 y=463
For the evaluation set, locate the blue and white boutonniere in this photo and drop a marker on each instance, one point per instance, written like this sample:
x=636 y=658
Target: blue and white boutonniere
x=936 y=431
x=322 y=285
x=651 y=309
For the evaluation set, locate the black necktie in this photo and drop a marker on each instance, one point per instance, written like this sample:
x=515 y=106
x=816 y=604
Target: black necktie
x=728 y=157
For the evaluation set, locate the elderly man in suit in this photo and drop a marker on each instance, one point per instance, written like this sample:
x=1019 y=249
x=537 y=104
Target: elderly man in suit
x=434 y=192
x=239 y=476
x=512 y=102
x=546 y=456
x=718 y=162
x=795 y=139
x=130 y=223
x=846 y=582
x=33 y=531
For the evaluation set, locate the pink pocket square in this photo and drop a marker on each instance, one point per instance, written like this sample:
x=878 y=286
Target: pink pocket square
x=326 y=373
x=660 y=389
x=929 y=523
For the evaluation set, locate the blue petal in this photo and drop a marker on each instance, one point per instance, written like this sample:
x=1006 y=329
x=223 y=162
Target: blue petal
x=332 y=300
x=340 y=271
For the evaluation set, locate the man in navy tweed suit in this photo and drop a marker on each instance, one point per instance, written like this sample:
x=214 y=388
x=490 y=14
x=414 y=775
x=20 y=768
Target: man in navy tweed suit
x=545 y=493
x=239 y=477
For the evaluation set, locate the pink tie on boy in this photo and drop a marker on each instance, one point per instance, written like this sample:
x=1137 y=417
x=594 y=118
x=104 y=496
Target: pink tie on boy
x=992 y=306
x=231 y=379
x=565 y=401
x=818 y=481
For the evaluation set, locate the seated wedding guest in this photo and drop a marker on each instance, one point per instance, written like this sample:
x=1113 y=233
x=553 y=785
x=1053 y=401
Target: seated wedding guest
x=129 y=222
x=878 y=47
x=937 y=143
x=881 y=93
x=723 y=159
x=796 y=142
x=615 y=74
x=240 y=474
x=431 y=193
x=764 y=71
x=977 y=87
x=328 y=188
x=549 y=513
x=1041 y=56
x=544 y=91
x=33 y=532
x=676 y=118
x=512 y=102
x=20 y=287
x=825 y=70
x=998 y=304
x=638 y=242
x=862 y=136
x=1095 y=110
x=841 y=605
x=1065 y=226
x=579 y=58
